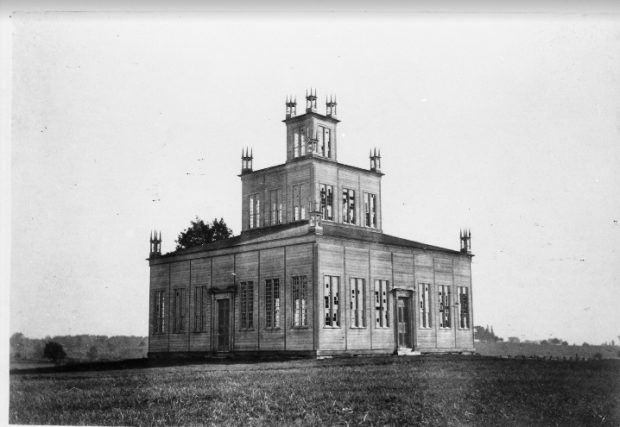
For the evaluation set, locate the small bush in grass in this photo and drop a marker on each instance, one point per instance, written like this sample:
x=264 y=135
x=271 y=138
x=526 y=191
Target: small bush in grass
x=54 y=352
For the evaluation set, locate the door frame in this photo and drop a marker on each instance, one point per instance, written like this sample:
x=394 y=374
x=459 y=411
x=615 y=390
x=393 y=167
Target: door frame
x=218 y=295
x=409 y=295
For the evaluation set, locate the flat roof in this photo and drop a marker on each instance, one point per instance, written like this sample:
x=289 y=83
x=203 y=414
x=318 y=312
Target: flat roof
x=320 y=159
x=329 y=230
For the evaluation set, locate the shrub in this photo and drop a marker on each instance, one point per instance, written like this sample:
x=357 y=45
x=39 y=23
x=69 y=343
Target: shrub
x=54 y=352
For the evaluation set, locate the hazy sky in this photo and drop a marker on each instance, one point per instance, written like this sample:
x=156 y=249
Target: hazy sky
x=506 y=124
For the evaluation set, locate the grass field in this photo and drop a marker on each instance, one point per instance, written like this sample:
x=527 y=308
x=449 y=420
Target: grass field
x=440 y=390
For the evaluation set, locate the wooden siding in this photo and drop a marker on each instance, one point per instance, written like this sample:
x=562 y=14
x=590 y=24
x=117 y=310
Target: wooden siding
x=327 y=173
x=310 y=174
x=299 y=262
x=272 y=267
x=356 y=267
x=404 y=271
x=403 y=268
x=331 y=263
x=222 y=272
x=179 y=279
x=261 y=183
x=310 y=123
x=381 y=269
x=298 y=173
x=159 y=280
x=246 y=270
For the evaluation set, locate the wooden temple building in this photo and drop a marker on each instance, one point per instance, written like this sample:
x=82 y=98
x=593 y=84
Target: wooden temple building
x=311 y=272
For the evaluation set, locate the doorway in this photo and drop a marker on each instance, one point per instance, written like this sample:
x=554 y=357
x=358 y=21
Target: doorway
x=403 y=322
x=223 y=325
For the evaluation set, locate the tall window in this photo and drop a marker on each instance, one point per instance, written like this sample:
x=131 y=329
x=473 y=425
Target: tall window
x=358 y=303
x=425 y=305
x=299 y=142
x=324 y=141
x=300 y=311
x=246 y=299
x=255 y=206
x=275 y=201
x=327 y=201
x=299 y=210
x=444 y=306
x=332 y=306
x=178 y=309
x=348 y=206
x=200 y=309
x=370 y=210
x=272 y=303
x=381 y=304
x=464 y=307
x=159 y=312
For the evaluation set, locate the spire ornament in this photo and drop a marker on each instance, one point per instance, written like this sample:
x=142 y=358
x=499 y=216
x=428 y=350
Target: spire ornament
x=465 y=236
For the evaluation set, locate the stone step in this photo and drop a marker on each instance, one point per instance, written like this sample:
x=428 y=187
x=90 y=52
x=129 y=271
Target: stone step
x=408 y=353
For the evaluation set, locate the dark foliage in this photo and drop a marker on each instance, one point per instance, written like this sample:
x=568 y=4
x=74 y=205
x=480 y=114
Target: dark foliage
x=92 y=353
x=54 y=352
x=200 y=233
x=486 y=334
x=79 y=347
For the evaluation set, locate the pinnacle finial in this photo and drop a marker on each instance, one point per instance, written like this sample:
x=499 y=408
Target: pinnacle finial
x=465 y=235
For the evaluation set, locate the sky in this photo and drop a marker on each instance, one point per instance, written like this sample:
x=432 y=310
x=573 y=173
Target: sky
x=507 y=124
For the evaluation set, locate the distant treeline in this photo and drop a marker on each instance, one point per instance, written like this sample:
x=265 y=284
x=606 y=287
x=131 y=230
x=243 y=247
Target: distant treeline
x=80 y=347
x=547 y=350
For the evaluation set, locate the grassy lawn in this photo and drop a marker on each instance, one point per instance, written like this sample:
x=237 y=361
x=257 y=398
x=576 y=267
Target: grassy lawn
x=376 y=391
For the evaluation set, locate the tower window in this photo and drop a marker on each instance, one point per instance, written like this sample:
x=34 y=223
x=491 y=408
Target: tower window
x=348 y=206
x=370 y=210
x=299 y=210
x=275 y=213
x=327 y=201
x=324 y=142
x=299 y=142
x=254 y=210
x=358 y=303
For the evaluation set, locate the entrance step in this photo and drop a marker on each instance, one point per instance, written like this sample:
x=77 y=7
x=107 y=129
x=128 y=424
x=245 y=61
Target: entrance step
x=408 y=353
